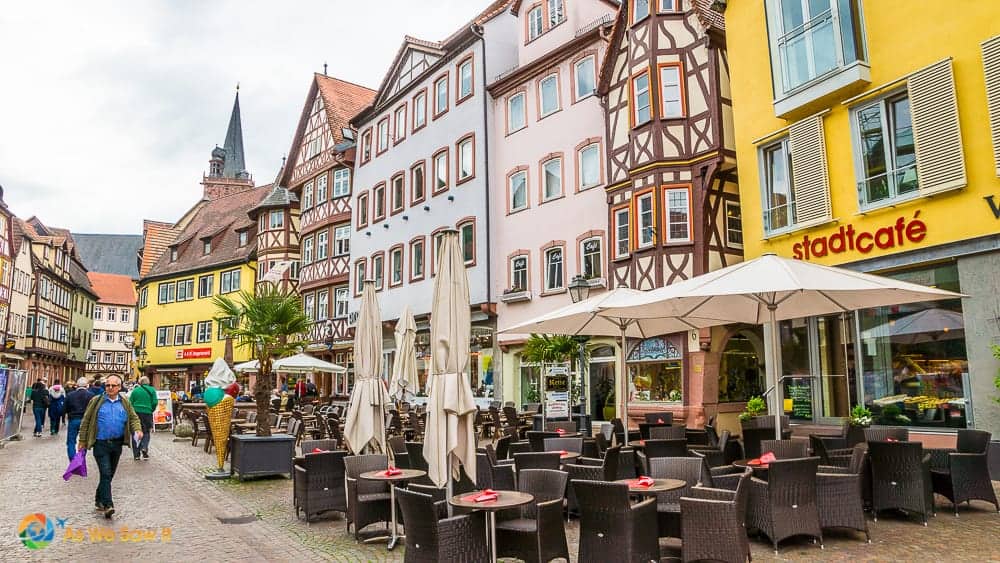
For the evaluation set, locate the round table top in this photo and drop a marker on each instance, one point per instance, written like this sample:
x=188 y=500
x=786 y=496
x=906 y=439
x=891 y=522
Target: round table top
x=745 y=463
x=505 y=499
x=658 y=486
x=379 y=475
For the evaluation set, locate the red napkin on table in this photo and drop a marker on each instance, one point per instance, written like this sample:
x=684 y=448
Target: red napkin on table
x=642 y=482
x=560 y=430
x=484 y=496
x=660 y=421
x=768 y=457
x=317 y=450
x=563 y=452
x=891 y=440
x=754 y=461
x=392 y=471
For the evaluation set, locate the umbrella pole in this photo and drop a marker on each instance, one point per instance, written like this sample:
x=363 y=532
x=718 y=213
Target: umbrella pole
x=774 y=368
x=623 y=369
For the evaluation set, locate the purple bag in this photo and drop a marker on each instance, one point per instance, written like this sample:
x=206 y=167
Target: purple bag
x=78 y=466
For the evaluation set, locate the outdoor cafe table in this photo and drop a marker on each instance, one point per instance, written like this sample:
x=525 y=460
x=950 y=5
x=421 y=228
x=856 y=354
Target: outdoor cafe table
x=569 y=456
x=759 y=469
x=658 y=486
x=404 y=475
x=505 y=500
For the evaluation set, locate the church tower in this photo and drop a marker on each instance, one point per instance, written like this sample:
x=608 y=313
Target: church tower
x=227 y=172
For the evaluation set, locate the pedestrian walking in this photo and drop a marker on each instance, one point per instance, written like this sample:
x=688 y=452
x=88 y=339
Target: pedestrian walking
x=57 y=400
x=76 y=405
x=143 y=399
x=96 y=388
x=104 y=430
x=39 y=404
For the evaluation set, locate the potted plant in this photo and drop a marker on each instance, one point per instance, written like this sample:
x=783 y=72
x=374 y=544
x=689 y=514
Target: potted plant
x=994 y=452
x=267 y=322
x=756 y=406
x=861 y=418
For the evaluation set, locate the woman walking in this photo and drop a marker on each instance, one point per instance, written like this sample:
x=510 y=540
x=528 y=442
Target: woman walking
x=39 y=404
x=57 y=404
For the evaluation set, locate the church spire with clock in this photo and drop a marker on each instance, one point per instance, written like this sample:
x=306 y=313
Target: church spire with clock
x=227 y=167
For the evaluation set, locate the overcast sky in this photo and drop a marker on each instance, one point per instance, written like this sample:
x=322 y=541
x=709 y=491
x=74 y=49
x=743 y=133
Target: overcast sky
x=109 y=109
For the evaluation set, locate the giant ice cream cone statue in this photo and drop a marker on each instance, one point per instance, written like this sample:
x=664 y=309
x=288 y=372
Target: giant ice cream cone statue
x=219 y=406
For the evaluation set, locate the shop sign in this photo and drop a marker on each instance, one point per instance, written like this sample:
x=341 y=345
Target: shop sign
x=193 y=353
x=656 y=349
x=557 y=393
x=848 y=239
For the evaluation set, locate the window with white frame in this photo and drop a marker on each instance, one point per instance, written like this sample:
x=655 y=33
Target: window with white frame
x=553 y=269
x=622 y=232
x=549 y=95
x=419 y=110
x=811 y=38
x=669 y=5
x=441 y=171
x=417 y=259
x=378 y=202
x=519 y=273
x=441 y=95
x=125 y=315
x=366 y=145
x=552 y=178
x=398 y=194
x=518 y=190
x=342 y=240
x=590 y=258
x=556 y=15
x=400 y=117
x=99 y=312
x=678 y=214
x=641 y=112
x=309 y=305
x=362 y=210
x=244 y=238
x=322 y=305
x=535 y=22
x=322 y=247
x=466 y=158
x=112 y=314
x=779 y=193
x=645 y=220
x=378 y=270
x=321 y=189
x=204 y=331
x=585 y=77
x=671 y=96
x=884 y=151
x=516 y=119
x=467 y=239
x=417 y=190
x=465 y=80
x=590 y=166
x=205 y=286
x=185 y=290
x=307 y=196
x=276 y=219
x=360 y=275
x=340 y=303
x=229 y=281
x=341 y=182
x=383 y=135
x=396 y=266
x=307 y=250
x=734 y=224
x=640 y=9
x=182 y=335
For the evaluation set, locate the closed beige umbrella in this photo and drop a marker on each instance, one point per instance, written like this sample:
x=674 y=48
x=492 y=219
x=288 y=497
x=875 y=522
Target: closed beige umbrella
x=450 y=438
x=404 y=383
x=366 y=413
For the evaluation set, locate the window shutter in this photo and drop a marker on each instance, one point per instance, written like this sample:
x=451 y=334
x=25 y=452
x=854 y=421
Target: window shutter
x=991 y=70
x=936 y=131
x=810 y=179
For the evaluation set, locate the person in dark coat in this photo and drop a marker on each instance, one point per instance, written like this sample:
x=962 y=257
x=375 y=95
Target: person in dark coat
x=39 y=404
x=57 y=402
x=76 y=405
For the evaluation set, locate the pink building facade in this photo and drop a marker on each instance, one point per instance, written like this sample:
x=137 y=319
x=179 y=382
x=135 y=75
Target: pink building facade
x=548 y=208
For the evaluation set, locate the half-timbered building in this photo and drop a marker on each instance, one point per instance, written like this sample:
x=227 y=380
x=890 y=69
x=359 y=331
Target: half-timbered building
x=422 y=169
x=673 y=201
x=114 y=323
x=319 y=175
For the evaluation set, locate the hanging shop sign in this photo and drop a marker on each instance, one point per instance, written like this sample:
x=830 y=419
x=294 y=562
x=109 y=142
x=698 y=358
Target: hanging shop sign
x=557 y=392
x=904 y=232
x=657 y=349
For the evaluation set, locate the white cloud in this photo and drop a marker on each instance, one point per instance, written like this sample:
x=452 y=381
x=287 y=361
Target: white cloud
x=109 y=109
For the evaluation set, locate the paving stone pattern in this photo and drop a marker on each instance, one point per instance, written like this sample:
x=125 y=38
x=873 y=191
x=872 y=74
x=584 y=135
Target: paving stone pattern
x=169 y=491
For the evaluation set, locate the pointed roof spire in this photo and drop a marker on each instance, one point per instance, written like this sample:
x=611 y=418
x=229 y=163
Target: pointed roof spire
x=235 y=165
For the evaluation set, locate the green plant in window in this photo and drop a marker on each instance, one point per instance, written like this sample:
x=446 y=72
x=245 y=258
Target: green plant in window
x=861 y=416
x=755 y=407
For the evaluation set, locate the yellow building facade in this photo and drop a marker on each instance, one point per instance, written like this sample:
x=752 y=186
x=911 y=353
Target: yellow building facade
x=868 y=136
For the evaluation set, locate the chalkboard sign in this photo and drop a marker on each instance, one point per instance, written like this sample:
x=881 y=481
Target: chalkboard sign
x=801 y=396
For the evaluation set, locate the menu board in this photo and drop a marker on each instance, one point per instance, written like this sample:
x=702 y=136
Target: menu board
x=801 y=396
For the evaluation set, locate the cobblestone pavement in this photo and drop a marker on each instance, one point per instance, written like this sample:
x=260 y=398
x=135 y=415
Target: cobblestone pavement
x=169 y=491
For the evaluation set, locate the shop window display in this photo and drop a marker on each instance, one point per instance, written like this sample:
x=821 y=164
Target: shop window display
x=656 y=369
x=741 y=373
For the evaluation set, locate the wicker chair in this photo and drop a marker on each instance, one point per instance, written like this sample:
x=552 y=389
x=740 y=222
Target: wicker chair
x=661 y=432
x=514 y=422
x=963 y=474
x=665 y=448
x=715 y=456
x=619 y=431
x=785 y=449
x=691 y=470
x=308 y=446
x=664 y=417
x=645 y=427
x=839 y=495
x=752 y=438
x=901 y=478
x=459 y=538
x=367 y=501
x=785 y=504
x=415 y=455
x=713 y=523
x=535 y=460
x=537 y=439
x=626 y=463
x=397 y=445
x=503 y=447
x=565 y=426
x=590 y=448
x=536 y=534
x=501 y=472
x=521 y=447
x=563 y=444
x=883 y=433
x=839 y=457
x=590 y=469
x=319 y=484
x=613 y=529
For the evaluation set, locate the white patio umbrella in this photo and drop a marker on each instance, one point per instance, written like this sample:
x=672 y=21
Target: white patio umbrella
x=252 y=365
x=304 y=363
x=929 y=325
x=366 y=412
x=450 y=437
x=769 y=289
x=594 y=317
x=404 y=383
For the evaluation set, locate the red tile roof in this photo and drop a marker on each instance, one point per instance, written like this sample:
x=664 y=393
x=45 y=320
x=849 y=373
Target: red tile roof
x=113 y=289
x=156 y=236
x=342 y=100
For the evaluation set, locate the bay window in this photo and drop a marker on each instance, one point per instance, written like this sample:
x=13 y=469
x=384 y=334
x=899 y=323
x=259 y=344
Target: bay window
x=678 y=214
x=671 y=91
x=641 y=107
x=645 y=220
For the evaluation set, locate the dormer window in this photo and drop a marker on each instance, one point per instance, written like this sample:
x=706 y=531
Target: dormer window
x=206 y=246
x=244 y=237
x=173 y=254
x=534 y=23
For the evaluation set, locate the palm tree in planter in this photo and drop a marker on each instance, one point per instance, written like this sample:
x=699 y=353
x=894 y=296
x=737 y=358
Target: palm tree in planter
x=270 y=323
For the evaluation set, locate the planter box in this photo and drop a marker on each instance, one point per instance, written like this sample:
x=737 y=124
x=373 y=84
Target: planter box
x=256 y=456
x=994 y=460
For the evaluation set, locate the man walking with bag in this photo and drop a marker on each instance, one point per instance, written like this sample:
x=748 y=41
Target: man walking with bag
x=76 y=405
x=105 y=427
x=143 y=399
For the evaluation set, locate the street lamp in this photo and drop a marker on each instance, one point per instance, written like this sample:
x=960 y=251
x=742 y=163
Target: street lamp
x=579 y=289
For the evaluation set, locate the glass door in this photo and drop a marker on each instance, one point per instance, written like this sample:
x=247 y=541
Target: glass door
x=836 y=385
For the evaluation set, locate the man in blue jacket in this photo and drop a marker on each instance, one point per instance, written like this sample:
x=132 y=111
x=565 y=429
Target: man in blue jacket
x=76 y=405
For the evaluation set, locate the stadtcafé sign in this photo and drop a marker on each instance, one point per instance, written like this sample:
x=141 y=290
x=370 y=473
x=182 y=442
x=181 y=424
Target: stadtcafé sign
x=905 y=231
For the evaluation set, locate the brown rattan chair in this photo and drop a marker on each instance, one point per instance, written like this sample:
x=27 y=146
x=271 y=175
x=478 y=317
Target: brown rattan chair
x=962 y=474
x=619 y=432
x=368 y=501
x=510 y=413
x=611 y=527
x=714 y=455
x=901 y=478
x=627 y=463
x=503 y=447
x=563 y=444
x=785 y=504
x=535 y=460
x=752 y=438
x=659 y=432
x=536 y=533
x=663 y=417
x=713 y=523
x=432 y=537
x=590 y=469
x=691 y=470
x=884 y=433
x=307 y=446
x=319 y=484
x=397 y=445
x=839 y=495
x=537 y=439
x=785 y=449
x=839 y=457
